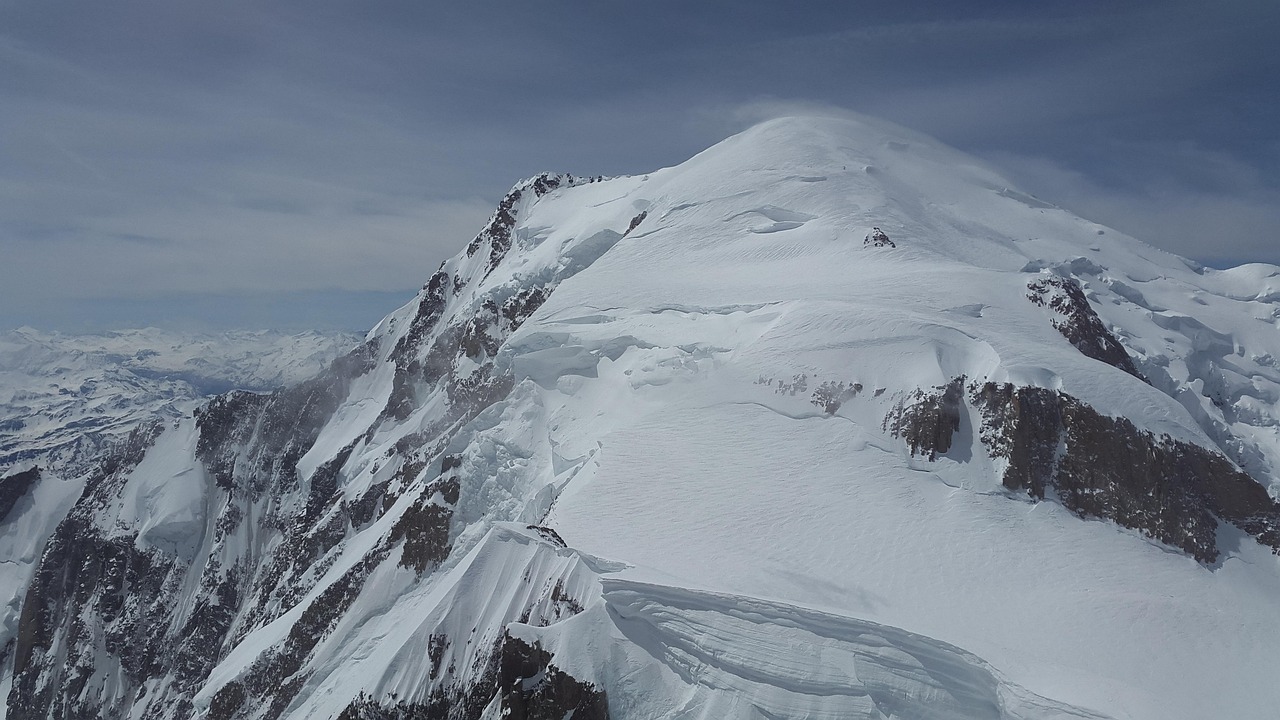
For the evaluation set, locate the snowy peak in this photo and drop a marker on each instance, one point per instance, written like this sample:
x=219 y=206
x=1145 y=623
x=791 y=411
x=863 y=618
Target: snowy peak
x=809 y=425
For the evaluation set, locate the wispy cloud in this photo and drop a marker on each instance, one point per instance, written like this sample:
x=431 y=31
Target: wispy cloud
x=156 y=148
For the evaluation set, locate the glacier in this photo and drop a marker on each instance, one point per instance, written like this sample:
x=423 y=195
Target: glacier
x=698 y=443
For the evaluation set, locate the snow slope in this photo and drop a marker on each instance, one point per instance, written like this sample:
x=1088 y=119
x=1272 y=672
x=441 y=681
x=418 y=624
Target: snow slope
x=681 y=445
x=67 y=400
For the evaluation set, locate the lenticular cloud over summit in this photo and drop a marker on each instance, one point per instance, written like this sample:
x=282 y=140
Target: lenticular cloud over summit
x=827 y=421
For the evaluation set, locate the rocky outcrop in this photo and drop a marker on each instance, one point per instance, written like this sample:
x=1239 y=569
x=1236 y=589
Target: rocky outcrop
x=1055 y=446
x=497 y=233
x=424 y=527
x=877 y=238
x=92 y=590
x=14 y=487
x=1077 y=321
x=112 y=627
x=274 y=680
x=927 y=420
x=635 y=222
x=520 y=677
x=533 y=688
x=1105 y=467
x=830 y=395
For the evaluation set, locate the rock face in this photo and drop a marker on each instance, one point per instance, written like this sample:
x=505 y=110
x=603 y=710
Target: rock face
x=928 y=420
x=521 y=680
x=533 y=687
x=14 y=487
x=1096 y=466
x=92 y=591
x=1077 y=321
x=1105 y=467
x=878 y=238
x=497 y=234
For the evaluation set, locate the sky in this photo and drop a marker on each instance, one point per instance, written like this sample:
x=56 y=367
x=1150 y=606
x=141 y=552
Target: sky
x=308 y=164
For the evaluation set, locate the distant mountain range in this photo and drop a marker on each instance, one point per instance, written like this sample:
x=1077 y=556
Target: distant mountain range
x=62 y=396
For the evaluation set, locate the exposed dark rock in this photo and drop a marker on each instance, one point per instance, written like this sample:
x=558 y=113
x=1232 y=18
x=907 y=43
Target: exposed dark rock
x=281 y=426
x=89 y=592
x=635 y=222
x=102 y=608
x=549 y=534
x=830 y=395
x=14 y=487
x=369 y=506
x=324 y=483
x=529 y=686
x=799 y=384
x=516 y=309
x=877 y=238
x=430 y=307
x=927 y=420
x=1105 y=467
x=221 y=424
x=424 y=527
x=273 y=682
x=1024 y=427
x=1078 y=323
x=535 y=689
x=76 y=600
x=206 y=628
x=497 y=234
x=227 y=701
x=436 y=646
x=566 y=605
x=477 y=337
x=449 y=701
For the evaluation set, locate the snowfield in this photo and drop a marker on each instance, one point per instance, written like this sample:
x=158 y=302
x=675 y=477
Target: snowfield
x=648 y=449
x=65 y=397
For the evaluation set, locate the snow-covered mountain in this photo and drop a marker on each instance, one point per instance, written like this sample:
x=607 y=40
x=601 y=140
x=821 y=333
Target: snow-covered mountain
x=64 y=397
x=68 y=400
x=827 y=421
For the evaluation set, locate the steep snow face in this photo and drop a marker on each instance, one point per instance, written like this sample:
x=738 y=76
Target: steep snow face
x=807 y=426
x=66 y=400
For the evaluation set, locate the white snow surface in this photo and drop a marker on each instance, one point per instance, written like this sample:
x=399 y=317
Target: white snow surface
x=754 y=557
x=64 y=397
x=67 y=398
x=758 y=558
x=164 y=497
x=739 y=552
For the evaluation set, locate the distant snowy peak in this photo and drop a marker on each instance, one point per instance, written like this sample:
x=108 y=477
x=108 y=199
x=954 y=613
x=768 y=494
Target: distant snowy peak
x=256 y=360
x=64 y=396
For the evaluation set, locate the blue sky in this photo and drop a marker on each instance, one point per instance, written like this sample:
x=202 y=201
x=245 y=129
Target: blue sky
x=294 y=164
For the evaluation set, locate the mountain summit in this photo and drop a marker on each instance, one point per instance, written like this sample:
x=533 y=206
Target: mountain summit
x=827 y=421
